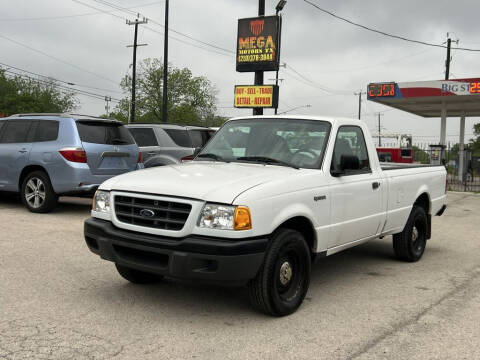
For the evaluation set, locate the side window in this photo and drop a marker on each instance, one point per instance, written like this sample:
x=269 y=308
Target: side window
x=16 y=131
x=144 y=136
x=179 y=137
x=47 y=130
x=1 y=127
x=351 y=142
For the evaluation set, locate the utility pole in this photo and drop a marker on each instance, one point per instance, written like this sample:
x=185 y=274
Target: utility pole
x=136 y=22
x=359 y=103
x=379 y=131
x=447 y=62
x=107 y=107
x=165 y=68
x=259 y=74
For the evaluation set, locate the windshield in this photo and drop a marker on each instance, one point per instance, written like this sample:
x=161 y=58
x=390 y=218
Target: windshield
x=286 y=142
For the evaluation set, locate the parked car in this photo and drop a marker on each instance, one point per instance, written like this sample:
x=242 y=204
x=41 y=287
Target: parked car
x=43 y=156
x=165 y=144
x=264 y=198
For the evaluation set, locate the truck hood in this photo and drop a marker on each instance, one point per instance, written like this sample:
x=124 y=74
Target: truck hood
x=210 y=181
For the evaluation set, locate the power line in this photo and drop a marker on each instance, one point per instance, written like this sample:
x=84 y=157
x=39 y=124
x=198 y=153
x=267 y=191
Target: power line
x=312 y=83
x=56 y=59
x=382 y=32
x=153 y=21
x=70 y=16
x=152 y=30
x=64 y=88
x=62 y=81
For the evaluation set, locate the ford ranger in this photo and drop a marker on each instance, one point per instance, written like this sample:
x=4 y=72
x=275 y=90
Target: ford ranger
x=264 y=198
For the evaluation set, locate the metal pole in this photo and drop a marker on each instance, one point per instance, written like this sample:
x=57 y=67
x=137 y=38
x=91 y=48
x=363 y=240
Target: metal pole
x=359 y=104
x=443 y=125
x=259 y=74
x=278 y=54
x=134 y=74
x=165 y=68
x=461 y=149
x=379 y=132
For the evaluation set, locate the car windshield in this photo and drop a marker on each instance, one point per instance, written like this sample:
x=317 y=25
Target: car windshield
x=283 y=142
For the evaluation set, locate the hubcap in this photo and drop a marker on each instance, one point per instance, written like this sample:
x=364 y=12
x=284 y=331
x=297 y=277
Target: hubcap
x=414 y=234
x=285 y=273
x=35 y=192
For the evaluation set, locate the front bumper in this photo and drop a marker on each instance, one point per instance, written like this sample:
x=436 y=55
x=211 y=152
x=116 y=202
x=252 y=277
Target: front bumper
x=193 y=257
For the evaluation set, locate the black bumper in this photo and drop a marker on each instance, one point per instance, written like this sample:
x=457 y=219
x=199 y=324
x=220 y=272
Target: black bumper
x=210 y=259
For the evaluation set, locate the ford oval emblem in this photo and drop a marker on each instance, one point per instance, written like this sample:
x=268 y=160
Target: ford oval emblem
x=147 y=213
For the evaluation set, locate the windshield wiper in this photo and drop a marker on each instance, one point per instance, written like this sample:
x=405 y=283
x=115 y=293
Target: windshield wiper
x=210 y=156
x=266 y=160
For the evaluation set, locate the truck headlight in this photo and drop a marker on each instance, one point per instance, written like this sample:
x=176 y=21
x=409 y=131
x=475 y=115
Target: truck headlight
x=225 y=217
x=101 y=201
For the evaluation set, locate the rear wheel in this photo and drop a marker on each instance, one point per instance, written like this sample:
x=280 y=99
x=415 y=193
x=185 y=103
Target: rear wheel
x=409 y=245
x=137 y=276
x=37 y=192
x=282 y=282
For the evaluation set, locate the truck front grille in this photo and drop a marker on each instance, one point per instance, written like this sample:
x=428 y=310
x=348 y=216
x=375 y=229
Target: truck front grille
x=158 y=214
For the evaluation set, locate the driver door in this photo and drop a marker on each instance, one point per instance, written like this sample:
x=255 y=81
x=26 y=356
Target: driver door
x=356 y=195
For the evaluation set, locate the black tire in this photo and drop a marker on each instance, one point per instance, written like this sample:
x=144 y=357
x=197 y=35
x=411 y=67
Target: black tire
x=282 y=281
x=409 y=245
x=137 y=276
x=37 y=193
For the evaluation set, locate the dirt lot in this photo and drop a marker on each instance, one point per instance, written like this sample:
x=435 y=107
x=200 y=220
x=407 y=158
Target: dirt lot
x=58 y=300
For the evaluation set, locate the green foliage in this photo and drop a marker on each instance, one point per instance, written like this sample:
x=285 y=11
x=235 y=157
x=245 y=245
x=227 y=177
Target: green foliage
x=420 y=155
x=191 y=99
x=475 y=143
x=25 y=95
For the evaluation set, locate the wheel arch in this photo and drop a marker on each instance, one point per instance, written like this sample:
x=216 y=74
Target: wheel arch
x=423 y=200
x=303 y=225
x=160 y=160
x=27 y=170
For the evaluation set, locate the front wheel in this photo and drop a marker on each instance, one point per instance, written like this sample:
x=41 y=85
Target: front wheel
x=409 y=245
x=282 y=282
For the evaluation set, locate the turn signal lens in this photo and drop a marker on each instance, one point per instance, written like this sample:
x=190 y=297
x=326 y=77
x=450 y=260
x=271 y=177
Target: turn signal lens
x=242 y=219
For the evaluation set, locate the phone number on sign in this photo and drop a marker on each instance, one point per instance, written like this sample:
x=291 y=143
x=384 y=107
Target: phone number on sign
x=255 y=57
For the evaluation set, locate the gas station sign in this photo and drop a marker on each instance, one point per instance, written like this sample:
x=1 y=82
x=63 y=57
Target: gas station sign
x=258 y=44
x=256 y=96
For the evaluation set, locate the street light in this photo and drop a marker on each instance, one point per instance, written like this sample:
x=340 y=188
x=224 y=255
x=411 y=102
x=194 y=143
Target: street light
x=280 y=5
x=295 y=108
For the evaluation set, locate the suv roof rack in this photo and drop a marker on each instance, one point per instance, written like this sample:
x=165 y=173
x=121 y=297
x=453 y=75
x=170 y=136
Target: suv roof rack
x=66 y=115
x=169 y=123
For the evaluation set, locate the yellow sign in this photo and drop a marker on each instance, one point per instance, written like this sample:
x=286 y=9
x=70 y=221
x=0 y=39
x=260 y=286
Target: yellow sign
x=256 y=96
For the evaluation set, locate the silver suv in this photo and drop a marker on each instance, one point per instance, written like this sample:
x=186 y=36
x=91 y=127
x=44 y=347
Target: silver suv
x=165 y=144
x=43 y=156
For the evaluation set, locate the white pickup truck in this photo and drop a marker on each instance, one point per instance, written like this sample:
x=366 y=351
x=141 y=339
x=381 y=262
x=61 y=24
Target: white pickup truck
x=264 y=198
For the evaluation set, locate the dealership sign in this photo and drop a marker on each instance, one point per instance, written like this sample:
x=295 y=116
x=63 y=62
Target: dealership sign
x=257 y=44
x=256 y=96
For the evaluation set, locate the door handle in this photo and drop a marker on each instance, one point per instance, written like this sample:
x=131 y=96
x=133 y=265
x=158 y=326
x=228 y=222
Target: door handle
x=22 y=151
x=152 y=153
x=375 y=185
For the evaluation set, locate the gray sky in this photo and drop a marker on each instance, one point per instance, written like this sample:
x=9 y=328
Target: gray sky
x=333 y=54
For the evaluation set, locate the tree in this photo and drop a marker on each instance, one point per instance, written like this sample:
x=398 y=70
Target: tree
x=191 y=99
x=27 y=95
x=420 y=155
x=475 y=143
